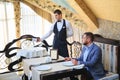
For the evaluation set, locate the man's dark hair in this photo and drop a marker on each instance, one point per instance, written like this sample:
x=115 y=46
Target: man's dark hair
x=90 y=35
x=57 y=11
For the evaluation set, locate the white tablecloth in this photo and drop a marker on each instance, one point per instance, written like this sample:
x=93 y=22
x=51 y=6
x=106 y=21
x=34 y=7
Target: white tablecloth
x=34 y=61
x=55 y=67
x=32 y=52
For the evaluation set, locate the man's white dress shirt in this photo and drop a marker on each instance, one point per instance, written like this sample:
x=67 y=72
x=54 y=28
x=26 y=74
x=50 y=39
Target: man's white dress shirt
x=59 y=27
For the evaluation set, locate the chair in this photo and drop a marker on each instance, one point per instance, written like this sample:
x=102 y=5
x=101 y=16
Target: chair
x=75 y=49
x=110 y=57
x=110 y=76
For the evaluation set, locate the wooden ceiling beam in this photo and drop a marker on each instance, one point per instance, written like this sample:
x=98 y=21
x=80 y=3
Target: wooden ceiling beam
x=85 y=13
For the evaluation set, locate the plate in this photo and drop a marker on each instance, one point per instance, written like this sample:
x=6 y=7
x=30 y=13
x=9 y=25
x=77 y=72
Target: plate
x=79 y=66
x=68 y=63
x=44 y=67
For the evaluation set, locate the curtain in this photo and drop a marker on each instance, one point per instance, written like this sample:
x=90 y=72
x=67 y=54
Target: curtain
x=7 y=23
x=32 y=23
x=7 y=29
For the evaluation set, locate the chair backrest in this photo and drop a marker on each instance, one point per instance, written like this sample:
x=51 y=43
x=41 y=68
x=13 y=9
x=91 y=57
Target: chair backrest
x=8 y=54
x=110 y=53
x=109 y=56
x=75 y=49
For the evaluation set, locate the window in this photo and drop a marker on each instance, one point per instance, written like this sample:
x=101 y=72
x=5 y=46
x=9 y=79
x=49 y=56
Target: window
x=7 y=23
x=32 y=23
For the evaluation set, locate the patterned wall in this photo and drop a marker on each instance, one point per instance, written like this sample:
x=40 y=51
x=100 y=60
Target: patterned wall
x=109 y=29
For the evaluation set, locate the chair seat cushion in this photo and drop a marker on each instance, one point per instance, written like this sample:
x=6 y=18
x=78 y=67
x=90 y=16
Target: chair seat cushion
x=110 y=76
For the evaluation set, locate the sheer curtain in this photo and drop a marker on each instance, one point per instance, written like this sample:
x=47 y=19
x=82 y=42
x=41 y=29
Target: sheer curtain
x=7 y=24
x=7 y=29
x=33 y=24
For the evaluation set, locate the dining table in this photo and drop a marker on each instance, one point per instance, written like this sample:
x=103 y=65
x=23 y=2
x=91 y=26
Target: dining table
x=39 y=69
x=32 y=52
x=33 y=62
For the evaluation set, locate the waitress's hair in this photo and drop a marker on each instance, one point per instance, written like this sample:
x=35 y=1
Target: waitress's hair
x=57 y=11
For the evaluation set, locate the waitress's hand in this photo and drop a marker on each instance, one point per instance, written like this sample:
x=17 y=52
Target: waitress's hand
x=74 y=61
x=67 y=59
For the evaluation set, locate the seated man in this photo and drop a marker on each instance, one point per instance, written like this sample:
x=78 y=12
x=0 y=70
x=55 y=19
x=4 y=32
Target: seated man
x=91 y=57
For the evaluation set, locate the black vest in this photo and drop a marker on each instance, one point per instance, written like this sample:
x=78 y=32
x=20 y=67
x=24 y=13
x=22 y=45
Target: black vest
x=61 y=35
x=60 y=41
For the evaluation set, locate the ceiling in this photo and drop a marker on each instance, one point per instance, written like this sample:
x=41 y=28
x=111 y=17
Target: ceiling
x=104 y=9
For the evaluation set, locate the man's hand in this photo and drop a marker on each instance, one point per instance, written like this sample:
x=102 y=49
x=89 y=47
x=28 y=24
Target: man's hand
x=74 y=61
x=67 y=59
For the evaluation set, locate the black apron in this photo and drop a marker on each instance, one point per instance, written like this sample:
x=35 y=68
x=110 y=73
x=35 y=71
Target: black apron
x=60 y=42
